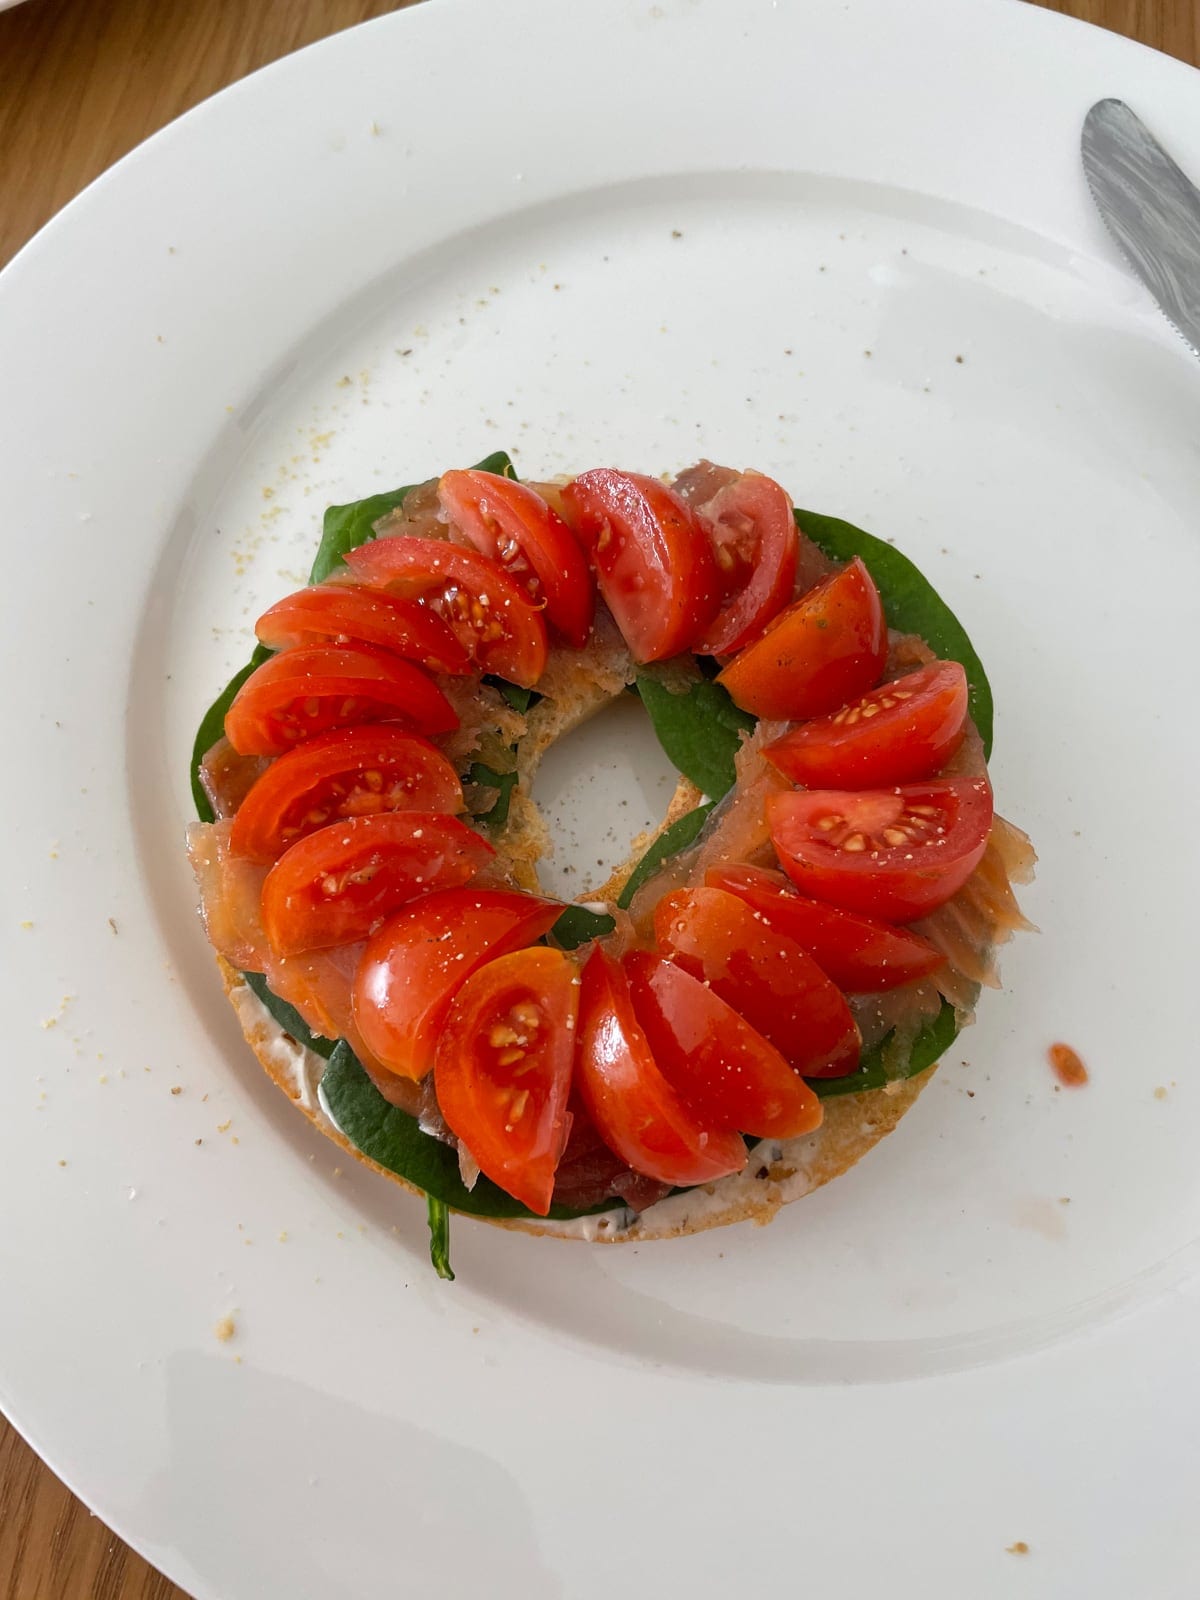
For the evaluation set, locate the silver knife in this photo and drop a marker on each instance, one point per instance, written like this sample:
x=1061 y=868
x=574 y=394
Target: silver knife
x=1151 y=208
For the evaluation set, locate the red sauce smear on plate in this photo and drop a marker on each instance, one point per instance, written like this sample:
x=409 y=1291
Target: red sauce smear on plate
x=1068 y=1068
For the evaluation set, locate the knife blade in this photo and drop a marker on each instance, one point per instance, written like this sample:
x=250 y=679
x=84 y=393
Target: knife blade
x=1151 y=208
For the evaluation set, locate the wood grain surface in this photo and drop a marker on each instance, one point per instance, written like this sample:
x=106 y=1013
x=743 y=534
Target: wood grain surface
x=82 y=82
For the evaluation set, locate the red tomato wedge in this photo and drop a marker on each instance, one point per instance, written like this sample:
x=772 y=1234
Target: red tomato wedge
x=718 y=1063
x=652 y=559
x=765 y=976
x=825 y=649
x=860 y=955
x=492 y=617
x=903 y=730
x=355 y=772
x=511 y=523
x=299 y=694
x=418 y=960
x=635 y=1110
x=503 y=1069
x=891 y=853
x=753 y=534
x=346 y=613
x=338 y=884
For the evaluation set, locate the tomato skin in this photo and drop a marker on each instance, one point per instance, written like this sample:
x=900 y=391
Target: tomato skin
x=353 y=772
x=858 y=954
x=833 y=843
x=417 y=961
x=652 y=559
x=633 y=1107
x=897 y=733
x=765 y=976
x=753 y=534
x=503 y=1069
x=491 y=615
x=721 y=1066
x=511 y=524
x=302 y=693
x=345 y=613
x=336 y=885
x=827 y=648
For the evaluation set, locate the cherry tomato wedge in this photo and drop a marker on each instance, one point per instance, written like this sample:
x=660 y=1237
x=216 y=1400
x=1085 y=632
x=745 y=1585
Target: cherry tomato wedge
x=652 y=559
x=753 y=534
x=765 y=976
x=418 y=960
x=901 y=731
x=635 y=1110
x=492 y=617
x=860 y=955
x=355 y=772
x=299 y=694
x=891 y=853
x=511 y=523
x=718 y=1063
x=503 y=1069
x=346 y=613
x=338 y=884
x=826 y=648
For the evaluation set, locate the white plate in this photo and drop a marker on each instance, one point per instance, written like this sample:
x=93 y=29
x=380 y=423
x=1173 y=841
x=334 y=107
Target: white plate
x=636 y=233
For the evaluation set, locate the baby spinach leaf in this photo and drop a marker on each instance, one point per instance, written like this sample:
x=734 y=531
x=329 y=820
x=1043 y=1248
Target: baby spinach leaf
x=212 y=726
x=392 y=1139
x=911 y=603
x=699 y=730
x=934 y=1038
x=346 y=527
x=519 y=699
x=488 y=778
x=577 y=925
x=677 y=837
x=288 y=1018
x=439 y=1237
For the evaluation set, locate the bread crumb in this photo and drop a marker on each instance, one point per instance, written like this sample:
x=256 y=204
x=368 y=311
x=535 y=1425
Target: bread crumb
x=1161 y=1092
x=176 y=1088
x=1018 y=1549
x=62 y=1163
x=27 y=926
x=283 y=1236
x=225 y=1329
x=224 y=1127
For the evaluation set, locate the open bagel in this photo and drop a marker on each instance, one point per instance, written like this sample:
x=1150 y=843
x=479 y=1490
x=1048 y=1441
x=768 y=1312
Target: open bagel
x=303 y=1011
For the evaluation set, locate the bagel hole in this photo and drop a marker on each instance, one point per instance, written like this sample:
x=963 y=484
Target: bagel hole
x=598 y=787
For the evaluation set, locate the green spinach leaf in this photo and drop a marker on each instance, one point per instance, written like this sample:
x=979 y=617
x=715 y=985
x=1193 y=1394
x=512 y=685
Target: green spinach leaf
x=519 y=699
x=288 y=1018
x=911 y=603
x=488 y=778
x=577 y=925
x=439 y=1237
x=392 y=1139
x=700 y=730
x=677 y=837
x=934 y=1038
x=212 y=726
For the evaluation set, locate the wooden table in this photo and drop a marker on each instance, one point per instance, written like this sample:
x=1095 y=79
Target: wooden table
x=69 y=107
